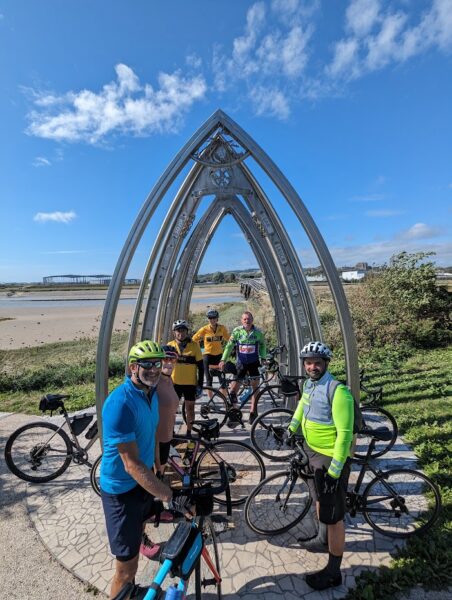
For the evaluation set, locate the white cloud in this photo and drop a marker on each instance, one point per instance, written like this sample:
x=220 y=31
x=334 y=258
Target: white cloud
x=193 y=60
x=368 y=198
x=41 y=161
x=65 y=252
x=269 y=102
x=384 y=212
x=378 y=37
x=122 y=106
x=270 y=57
x=57 y=217
x=361 y=16
x=420 y=231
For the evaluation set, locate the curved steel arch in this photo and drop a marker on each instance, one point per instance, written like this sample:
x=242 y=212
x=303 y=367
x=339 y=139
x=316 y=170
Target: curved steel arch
x=215 y=159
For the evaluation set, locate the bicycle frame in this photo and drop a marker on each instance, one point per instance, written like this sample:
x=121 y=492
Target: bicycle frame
x=165 y=569
x=83 y=450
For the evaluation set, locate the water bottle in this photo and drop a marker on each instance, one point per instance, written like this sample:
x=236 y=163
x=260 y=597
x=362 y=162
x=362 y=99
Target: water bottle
x=172 y=593
x=245 y=395
x=188 y=453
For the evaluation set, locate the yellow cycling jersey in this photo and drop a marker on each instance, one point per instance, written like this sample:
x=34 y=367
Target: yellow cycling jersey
x=214 y=341
x=186 y=370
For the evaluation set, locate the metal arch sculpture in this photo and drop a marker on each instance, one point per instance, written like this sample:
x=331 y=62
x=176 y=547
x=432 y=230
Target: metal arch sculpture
x=218 y=150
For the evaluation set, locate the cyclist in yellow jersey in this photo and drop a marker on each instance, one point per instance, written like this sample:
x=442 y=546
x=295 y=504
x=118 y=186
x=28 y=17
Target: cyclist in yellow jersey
x=214 y=337
x=188 y=374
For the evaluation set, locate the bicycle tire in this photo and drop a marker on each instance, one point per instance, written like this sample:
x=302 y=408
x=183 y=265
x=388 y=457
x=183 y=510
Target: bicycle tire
x=94 y=475
x=264 y=506
x=407 y=486
x=55 y=458
x=244 y=466
x=373 y=417
x=210 y=408
x=206 y=587
x=271 y=396
x=268 y=434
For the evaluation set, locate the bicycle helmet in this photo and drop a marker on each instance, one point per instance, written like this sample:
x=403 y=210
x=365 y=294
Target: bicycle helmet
x=212 y=314
x=145 y=349
x=316 y=350
x=169 y=352
x=180 y=324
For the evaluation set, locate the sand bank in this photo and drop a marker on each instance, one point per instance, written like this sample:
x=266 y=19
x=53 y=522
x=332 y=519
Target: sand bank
x=61 y=316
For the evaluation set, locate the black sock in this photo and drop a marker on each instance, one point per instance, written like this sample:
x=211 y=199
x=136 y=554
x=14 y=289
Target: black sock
x=334 y=564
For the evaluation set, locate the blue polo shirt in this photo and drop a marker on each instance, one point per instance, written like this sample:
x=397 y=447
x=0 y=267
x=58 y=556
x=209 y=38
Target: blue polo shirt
x=127 y=416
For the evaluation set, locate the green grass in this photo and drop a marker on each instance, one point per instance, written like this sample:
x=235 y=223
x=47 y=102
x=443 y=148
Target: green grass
x=63 y=367
x=418 y=392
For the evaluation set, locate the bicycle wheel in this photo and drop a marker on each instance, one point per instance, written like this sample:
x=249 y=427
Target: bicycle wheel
x=374 y=417
x=270 y=396
x=277 y=504
x=401 y=503
x=215 y=407
x=206 y=585
x=268 y=434
x=38 y=452
x=94 y=475
x=244 y=466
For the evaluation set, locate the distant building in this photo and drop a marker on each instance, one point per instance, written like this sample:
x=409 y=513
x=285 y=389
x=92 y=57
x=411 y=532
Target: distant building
x=314 y=278
x=84 y=280
x=354 y=275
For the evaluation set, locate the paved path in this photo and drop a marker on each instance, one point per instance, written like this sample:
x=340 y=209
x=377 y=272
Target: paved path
x=68 y=518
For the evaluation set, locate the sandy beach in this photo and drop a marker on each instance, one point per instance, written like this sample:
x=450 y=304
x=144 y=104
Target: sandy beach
x=35 y=318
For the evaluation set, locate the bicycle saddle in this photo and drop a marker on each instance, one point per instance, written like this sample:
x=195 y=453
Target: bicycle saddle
x=54 y=397
x=208 y=429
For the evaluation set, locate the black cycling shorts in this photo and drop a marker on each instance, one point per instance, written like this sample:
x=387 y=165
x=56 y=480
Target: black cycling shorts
x=320 y=462
x=164 y=449
x=188 y=392
x=251 y=369
x=210 y=359
x=124 y=517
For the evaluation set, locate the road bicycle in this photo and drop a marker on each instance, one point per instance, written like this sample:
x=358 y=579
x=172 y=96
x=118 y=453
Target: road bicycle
x=42 y=451
x=398 y=503
x=269 y=430
x=244 y=467
x=223 y=405
x=192 y=548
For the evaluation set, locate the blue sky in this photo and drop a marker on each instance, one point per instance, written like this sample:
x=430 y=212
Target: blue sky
x=352 y=99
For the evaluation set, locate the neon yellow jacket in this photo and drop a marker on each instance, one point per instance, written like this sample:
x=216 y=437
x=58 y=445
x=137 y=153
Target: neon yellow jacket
x=326 y=426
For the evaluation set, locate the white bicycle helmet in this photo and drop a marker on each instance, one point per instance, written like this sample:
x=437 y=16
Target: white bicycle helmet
x=180 y=324
x=316 y=350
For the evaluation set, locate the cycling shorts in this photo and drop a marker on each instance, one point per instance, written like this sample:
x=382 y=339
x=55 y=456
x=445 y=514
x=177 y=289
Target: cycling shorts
x=210 y=359
x=251 y=369
x=187 y=391
x=320 y=462
x=124 y=517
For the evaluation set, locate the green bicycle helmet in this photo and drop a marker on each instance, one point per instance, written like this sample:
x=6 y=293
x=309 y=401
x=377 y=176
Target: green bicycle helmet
x=145 y=349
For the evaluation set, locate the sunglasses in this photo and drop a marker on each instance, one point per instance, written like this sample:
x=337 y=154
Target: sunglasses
x=170 y=359
x=150 y=364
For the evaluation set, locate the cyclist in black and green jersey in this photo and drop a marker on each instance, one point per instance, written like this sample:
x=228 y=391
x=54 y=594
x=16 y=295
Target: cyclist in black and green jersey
x=325 y=416
x=249 y=344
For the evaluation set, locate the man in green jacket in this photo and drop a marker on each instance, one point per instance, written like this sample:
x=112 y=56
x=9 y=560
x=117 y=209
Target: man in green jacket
x=325 y=418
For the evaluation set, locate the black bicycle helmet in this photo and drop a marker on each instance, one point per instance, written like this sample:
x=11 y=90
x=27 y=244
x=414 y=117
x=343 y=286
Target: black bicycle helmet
x=316 y=350
x=212 y=314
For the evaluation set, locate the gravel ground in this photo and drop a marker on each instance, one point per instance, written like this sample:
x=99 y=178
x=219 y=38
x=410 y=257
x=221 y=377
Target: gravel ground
x=27 y=570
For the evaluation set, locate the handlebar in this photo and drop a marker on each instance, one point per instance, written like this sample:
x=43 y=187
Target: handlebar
x=207 y=489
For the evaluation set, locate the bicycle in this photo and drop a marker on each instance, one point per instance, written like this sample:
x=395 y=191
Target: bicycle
x=245 y=468
x=392 y=503
x=222 y=404
x=191 y=547
x=39 y=452
x=269 y=430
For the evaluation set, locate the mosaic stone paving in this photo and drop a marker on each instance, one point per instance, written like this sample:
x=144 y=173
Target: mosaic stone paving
x=68 y=516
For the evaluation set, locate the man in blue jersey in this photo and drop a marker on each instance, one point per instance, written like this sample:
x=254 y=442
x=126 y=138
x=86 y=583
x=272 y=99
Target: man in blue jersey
x=128 y=484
